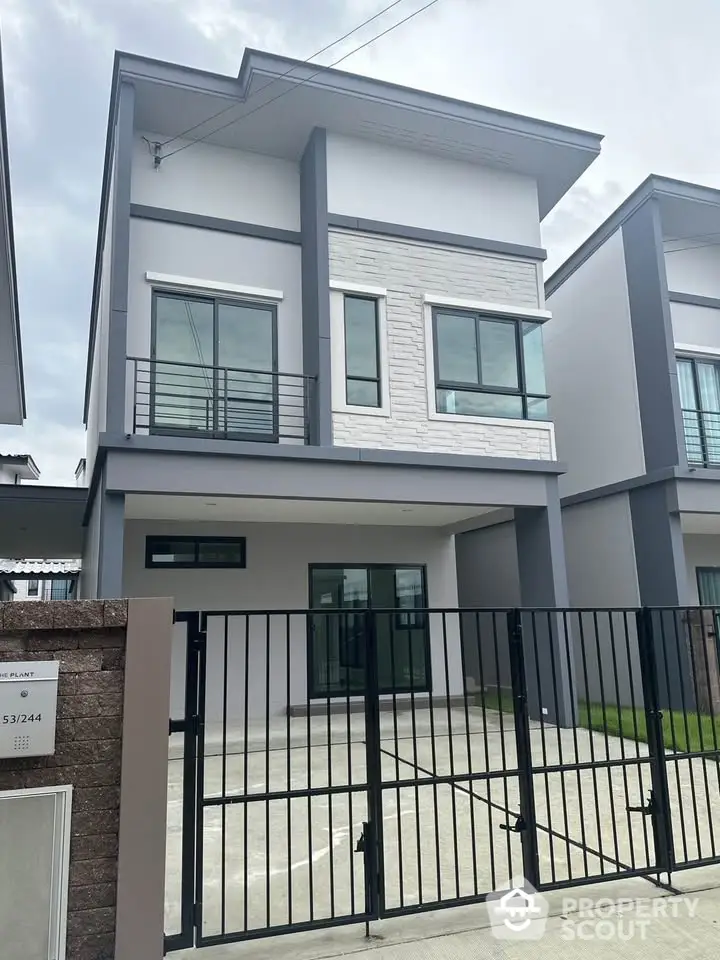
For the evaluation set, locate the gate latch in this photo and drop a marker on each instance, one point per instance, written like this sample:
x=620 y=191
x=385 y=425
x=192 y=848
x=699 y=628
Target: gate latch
x=360 y=845
x=648 y=809
x=517 y=827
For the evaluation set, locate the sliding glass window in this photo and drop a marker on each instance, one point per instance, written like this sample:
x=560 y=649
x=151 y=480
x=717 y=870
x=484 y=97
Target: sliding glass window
x=699 y=382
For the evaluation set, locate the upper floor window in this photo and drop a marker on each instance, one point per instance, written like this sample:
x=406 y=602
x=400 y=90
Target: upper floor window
x=362 y=356
x=699 y=382
x=488 y=366
x=195 y=552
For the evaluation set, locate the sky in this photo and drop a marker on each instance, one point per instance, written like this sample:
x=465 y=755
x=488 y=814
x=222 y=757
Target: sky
x=644 y=73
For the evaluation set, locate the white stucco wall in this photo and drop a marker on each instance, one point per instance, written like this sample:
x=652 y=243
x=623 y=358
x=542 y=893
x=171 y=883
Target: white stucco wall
x=693 y=269
x=277 y=577
x=695 y=326
x=590 y=368
x=381 y=182
x=218 y=182
x=408 y=271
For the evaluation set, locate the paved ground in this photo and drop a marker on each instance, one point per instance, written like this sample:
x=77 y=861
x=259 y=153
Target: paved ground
x=441 y=841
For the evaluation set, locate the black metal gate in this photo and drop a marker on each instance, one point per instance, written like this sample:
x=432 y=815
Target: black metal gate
x=550 y=747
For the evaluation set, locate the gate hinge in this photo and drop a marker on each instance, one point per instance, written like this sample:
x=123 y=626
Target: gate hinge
x=360 y=845
x=649 y=809
x=197 y=914
x=517 y=827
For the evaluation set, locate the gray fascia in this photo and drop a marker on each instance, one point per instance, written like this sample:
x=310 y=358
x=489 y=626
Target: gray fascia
x=119 y=264
x=653 y=349
x=10 y=237
x=274 y=65
x=315 y=266
x=180 y=218
x=273 y=451
x=436 y=237
x=694 y=299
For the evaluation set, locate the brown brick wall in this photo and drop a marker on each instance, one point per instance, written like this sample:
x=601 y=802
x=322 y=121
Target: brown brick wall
x=88 y=638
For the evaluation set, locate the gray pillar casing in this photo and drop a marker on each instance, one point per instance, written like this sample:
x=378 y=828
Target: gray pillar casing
x=547 y=643
x=316 y=286
x=111 y=547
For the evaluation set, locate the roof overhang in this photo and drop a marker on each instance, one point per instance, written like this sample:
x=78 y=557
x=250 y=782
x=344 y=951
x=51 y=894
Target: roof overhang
x=170 y=99
x=22 y=465
x=12 y=382
x=38 y=521
x=689 y=213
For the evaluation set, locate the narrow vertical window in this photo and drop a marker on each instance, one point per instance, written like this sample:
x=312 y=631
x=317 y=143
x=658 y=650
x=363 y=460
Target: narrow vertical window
x=362 y=360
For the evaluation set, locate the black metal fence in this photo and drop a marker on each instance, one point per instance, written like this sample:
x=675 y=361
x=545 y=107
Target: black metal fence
x=561 y=746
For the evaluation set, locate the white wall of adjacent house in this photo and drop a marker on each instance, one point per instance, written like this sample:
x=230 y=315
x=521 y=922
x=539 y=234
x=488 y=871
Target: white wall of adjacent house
x=217 y=182
x=408 y=277
x=276 y=577
x=376 y=181
x=590 y=366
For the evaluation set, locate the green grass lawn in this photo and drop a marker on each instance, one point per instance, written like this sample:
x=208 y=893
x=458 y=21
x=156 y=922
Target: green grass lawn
x=692 y=733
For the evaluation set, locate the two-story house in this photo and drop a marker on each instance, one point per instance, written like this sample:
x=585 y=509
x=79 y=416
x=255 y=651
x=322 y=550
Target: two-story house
x=315 y=356
x=633 y=364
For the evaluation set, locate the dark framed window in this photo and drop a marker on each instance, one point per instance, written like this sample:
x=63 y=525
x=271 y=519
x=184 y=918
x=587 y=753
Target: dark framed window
x=708 y=582
x=699 y=383
x=362 y=351
x=59 y=589
x=213 y=367
x=195 y=552
x=488 y=366
x=33 y=588
x=341 y=597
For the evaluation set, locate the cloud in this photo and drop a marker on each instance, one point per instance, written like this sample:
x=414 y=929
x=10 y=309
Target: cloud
x=644 y=73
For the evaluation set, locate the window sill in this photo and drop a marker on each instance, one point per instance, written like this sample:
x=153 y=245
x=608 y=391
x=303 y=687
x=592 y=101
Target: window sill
x=545 y=425
x=363 y=411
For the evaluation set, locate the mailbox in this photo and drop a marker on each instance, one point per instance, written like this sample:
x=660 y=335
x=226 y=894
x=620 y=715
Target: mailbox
x=28 y=708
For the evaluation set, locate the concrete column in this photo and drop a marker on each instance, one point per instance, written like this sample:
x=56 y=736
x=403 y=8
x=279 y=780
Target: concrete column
x=316 y=285
x=543 y=584
x=111 y=552
x=119 y=238
x=662 y=582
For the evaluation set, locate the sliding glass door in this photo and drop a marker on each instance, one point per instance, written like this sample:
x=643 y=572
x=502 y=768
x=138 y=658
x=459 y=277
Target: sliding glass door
x=338 y=636
x=699 y=382
x=213 y=367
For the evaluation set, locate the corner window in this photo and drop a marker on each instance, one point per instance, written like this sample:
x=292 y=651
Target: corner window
x=488 y=366
x=362 y=360
x=195 y=552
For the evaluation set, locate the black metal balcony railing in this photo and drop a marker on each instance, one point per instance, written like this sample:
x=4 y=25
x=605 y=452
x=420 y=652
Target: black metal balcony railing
x=193 y=399
x=702 y=437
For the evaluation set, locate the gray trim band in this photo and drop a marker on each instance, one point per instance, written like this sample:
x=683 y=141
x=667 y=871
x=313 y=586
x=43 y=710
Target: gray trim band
x=183 y=219
x=274 y=451
x=622 y=486
x=435 y=236
x=694 y=299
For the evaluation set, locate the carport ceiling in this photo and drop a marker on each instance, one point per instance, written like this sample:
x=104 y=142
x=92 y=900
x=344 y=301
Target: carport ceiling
x=145 y=507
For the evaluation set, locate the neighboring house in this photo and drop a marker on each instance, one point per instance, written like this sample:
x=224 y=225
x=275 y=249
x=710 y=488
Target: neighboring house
x=315 y=356
x=42 y=579
x=14 y=468
x=633 y=365
x=12 y=385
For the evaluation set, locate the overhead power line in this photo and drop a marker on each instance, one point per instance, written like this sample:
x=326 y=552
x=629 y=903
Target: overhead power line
x=235 y=104
x=284 y=93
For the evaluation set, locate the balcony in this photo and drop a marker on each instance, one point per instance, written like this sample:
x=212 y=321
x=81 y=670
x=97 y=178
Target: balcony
x=702 y=437
x=227 y=403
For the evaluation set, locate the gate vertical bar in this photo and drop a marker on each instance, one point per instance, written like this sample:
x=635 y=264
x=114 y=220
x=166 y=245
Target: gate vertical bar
x=659 y=806
x=188 y=727
x=201 y=646
x=372 y=847
x=528 y=827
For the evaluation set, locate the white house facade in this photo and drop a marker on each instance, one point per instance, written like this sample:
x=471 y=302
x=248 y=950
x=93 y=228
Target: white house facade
x=315 y=362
